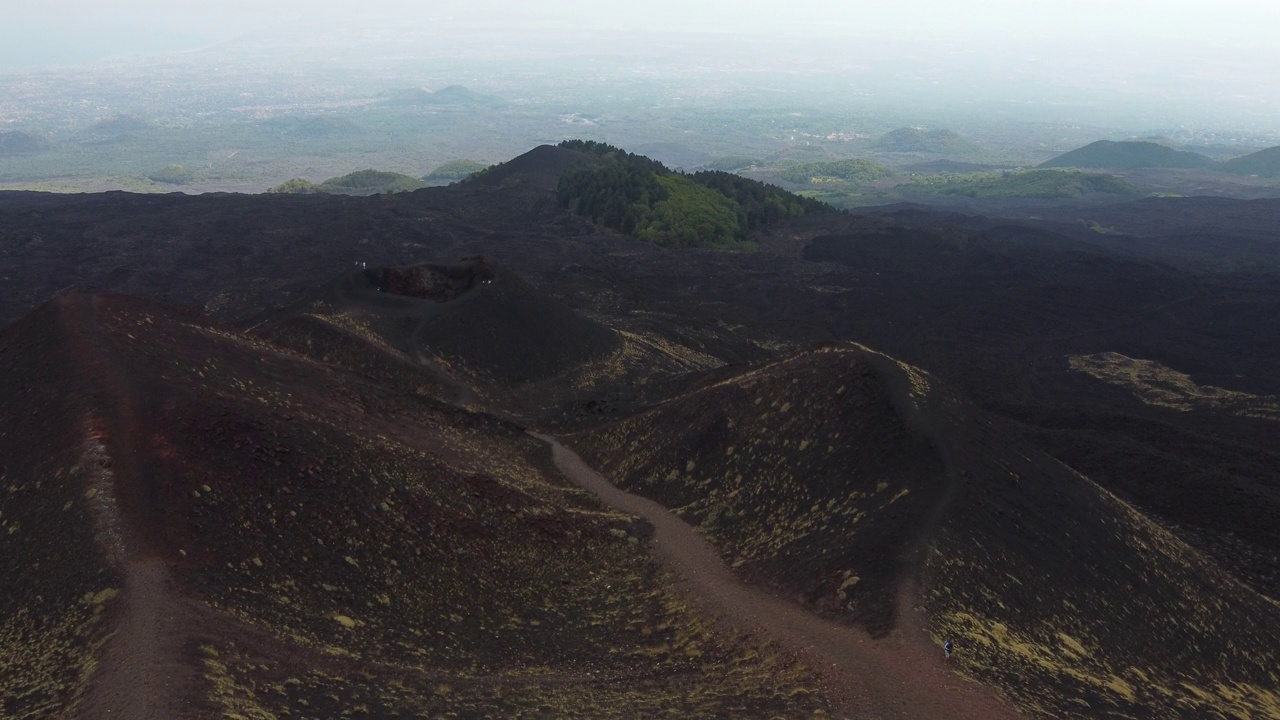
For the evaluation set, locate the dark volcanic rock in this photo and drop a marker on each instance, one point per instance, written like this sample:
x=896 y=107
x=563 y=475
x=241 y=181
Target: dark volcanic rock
x=839 y=474
x=187 y=508
x=479 y=317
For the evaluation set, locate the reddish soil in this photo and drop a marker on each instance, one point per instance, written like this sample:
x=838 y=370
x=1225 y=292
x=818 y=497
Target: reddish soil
x=141 y=675
x=899 y=676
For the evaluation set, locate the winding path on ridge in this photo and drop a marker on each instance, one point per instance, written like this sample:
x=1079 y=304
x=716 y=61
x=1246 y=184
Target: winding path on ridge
x=141 y=675
x=899 y=677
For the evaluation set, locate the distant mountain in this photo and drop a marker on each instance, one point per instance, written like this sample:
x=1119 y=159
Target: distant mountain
x=361 y=182
x=835 y=475
x=910 y=139
x=452 y=96
x=120 y=125
x=16 y=142
x=641 y=197
x=190 y=512
x=1128 y=155
x=1264 y=162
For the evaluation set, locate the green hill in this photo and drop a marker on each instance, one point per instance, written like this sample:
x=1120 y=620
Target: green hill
x=1029 y=184
x=296 y=186
x=909 y=139
x=14 y=142
x=1264 y=162
x=361 y=182
x=641 y=197
x=121 y=124
x=1128 y=155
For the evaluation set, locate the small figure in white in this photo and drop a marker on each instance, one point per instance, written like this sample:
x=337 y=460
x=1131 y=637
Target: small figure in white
x=947 y=647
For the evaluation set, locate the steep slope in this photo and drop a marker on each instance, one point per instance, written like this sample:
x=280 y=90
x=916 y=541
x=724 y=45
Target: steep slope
x=802 y=471
x=59 y=546
x=274 y=537
x=539 y=168
x=858 y=485
x=474 y=334
x=1128 y=155
x=1264 y=162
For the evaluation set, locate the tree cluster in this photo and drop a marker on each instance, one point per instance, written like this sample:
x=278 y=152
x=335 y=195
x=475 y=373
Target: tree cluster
x=642 y=198
x=851 y=171
x=759 y=204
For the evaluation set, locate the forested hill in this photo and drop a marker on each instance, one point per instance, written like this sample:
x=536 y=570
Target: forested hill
x=643 y=198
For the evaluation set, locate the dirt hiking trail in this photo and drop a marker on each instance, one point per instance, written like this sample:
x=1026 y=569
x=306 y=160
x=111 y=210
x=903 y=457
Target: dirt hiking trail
x=141 y=674
x=900 y=677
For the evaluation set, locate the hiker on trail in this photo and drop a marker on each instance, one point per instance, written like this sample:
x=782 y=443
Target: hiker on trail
x=947 y=647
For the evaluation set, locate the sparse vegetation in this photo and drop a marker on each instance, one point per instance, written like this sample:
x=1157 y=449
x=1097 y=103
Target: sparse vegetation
x=910 y=139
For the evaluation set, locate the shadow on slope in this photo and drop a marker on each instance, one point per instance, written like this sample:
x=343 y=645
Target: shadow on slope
x=483 y=321
x=539 y=169
x=802 y=471
x=834 y=473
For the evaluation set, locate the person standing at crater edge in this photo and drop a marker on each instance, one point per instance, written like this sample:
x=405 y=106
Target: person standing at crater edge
x=947 y=647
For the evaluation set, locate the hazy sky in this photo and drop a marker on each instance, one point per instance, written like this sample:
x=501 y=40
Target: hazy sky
x=1222 y=54
x=53 y=30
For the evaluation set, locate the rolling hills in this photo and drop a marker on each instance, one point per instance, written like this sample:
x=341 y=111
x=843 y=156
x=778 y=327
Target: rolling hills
x=258 y=534
x=313 y=484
